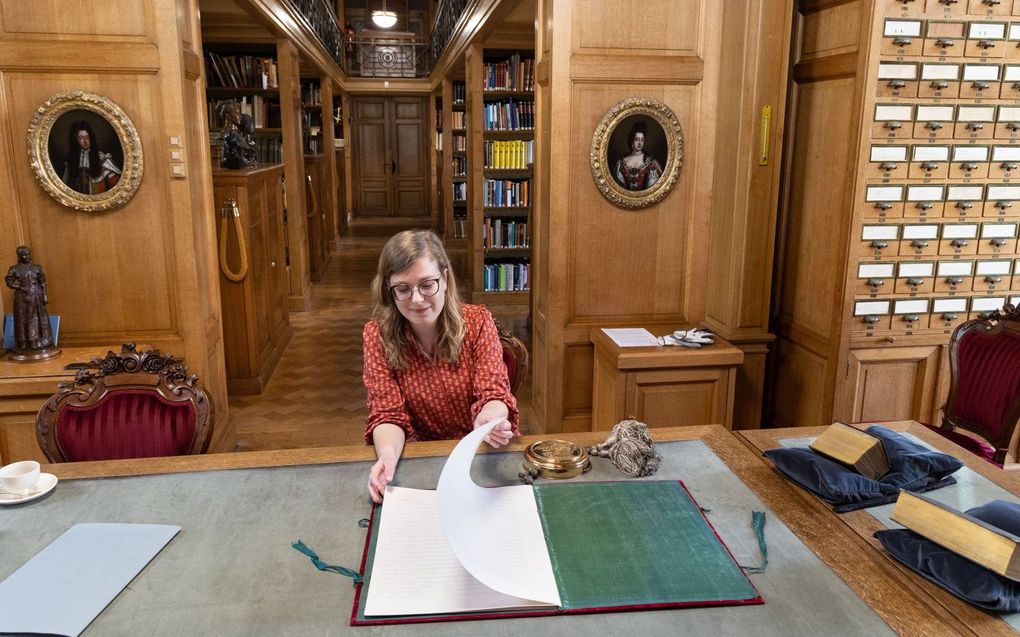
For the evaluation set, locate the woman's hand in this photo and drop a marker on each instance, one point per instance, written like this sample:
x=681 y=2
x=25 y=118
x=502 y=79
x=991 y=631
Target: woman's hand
x=501 y=434
x=380 y=475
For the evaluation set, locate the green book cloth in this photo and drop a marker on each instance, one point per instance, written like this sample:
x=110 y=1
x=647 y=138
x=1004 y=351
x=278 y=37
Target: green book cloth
x=615 y=546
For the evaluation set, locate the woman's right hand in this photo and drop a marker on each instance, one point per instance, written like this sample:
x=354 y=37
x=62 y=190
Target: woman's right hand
x=380 y=475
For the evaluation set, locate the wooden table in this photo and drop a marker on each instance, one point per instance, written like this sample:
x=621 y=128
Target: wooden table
x=663 y=386
x=863 y=524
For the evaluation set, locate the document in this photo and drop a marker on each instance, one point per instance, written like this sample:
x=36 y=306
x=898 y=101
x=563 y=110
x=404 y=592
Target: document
x=460 y=548
x=631 y=336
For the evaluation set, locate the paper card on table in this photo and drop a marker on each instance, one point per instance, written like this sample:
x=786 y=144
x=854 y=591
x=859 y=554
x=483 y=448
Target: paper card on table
x=631 y=336
x=68 y=583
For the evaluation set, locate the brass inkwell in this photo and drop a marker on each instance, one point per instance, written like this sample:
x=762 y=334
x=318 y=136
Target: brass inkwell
x=556 y=459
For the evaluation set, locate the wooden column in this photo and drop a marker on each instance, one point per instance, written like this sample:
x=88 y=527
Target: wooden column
x=294 y=173
x=329 y=203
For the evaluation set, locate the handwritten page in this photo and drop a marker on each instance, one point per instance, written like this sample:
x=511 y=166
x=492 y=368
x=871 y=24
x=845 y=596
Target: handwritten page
x=460 y=548
x=631 y=336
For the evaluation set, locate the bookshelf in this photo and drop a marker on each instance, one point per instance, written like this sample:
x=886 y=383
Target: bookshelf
x=452 y=137
x=250 y=77
x=501 y=108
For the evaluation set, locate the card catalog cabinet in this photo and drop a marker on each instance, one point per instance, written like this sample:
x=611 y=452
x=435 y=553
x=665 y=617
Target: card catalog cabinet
x=256 y=326
x=903 y=205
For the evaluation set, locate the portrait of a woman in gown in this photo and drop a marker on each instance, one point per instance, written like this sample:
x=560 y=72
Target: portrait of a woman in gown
x=639 y=169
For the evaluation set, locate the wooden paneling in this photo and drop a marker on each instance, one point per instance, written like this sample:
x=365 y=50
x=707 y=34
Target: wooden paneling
x=799 y=395
x=56 y=19
x=622 y=28
x=893 y=383
x=834 y=30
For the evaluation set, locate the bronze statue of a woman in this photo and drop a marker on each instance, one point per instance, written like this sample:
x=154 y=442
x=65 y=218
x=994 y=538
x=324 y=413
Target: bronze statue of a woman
x=33 y=338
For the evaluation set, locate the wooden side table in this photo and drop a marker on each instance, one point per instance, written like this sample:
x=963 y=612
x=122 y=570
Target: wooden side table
x=663 y=386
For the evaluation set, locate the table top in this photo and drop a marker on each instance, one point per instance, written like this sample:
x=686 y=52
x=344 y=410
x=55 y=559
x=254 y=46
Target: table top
x=232 y=571
x=978 y=482
x=719 y=353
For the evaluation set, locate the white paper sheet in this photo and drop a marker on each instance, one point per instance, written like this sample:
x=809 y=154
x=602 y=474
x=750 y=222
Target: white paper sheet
x=631 y=336
x=68 y=583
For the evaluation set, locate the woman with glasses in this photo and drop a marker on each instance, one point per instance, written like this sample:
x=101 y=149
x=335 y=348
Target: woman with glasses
x=433 y=365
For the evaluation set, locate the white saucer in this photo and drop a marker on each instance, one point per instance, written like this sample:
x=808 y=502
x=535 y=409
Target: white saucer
x=46 y=483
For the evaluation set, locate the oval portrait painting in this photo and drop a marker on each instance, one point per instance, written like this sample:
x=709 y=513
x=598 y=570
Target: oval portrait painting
x=85 y=152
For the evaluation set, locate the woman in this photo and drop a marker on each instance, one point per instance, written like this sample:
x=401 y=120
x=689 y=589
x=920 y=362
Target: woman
x=433 y=365
x=637 y=171
x=87 y=169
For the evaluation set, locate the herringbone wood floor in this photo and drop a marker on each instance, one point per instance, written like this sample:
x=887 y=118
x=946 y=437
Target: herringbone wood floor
x=315 y=397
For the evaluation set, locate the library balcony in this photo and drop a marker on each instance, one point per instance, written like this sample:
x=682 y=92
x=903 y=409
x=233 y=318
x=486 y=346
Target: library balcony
x=381 y=54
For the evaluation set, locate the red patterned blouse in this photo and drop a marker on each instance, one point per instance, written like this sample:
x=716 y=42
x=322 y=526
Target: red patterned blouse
x=437 y=401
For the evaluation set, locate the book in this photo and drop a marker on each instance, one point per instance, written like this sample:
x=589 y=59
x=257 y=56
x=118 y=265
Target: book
x=854 y=448
x=430 y=556
x=962 y=534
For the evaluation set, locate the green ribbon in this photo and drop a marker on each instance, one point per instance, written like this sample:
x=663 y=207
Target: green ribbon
x=758 y=524
x=322 y=566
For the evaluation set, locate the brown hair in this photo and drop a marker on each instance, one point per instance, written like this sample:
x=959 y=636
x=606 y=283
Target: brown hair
x=402 y=250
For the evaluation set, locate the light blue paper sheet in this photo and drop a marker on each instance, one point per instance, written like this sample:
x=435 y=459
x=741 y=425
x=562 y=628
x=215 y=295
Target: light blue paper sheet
x=68 y=583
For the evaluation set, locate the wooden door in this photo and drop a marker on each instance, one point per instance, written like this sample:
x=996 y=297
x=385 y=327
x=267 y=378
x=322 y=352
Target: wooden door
x=893 y=383
x=390 y=168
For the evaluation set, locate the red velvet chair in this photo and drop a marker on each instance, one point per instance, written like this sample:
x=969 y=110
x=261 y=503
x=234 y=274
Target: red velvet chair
x=127 y=405
x=984 y=398
x=515 y=357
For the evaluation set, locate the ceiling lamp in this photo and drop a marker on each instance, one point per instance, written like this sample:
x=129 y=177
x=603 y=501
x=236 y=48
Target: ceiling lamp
x=384 y=19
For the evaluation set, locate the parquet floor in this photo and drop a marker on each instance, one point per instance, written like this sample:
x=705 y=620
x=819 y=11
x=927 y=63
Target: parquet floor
x=315 y=397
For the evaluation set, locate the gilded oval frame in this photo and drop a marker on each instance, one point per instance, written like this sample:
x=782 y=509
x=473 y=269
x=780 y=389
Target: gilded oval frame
x=601 y=171
x=38 y=138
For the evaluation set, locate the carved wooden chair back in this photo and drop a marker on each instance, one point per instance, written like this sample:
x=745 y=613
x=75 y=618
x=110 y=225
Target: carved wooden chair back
x=515 y=357
x=128 y=405
x=984 y=397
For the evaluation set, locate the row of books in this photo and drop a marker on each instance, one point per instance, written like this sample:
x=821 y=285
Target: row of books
x=509 y=115
x=507 y=193
x=264 y=112
x=439 y=140
x=507 y=276
x=458 y=142
x=311 y=94
x=313 y=145
x=459 y=228
x=505 y=233
x=241 y=71
x=439 y=118
x=458 y=119
x=460 y=166
x=459 y=191
x=515 y=74
x=459 y=93
x=512 y=154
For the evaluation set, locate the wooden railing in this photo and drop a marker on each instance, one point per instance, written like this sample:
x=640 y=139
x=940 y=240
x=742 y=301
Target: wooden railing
x=320 y=17
x=380 y=54
x=447 y=16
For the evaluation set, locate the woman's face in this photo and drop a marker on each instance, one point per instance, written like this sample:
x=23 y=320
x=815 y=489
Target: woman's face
x=638 y=143
x=411 y=288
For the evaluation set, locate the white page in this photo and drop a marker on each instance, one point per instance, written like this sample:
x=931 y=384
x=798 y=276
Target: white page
x=68 y=583
x=415 y=572
x=631 y=336
x=495 y=532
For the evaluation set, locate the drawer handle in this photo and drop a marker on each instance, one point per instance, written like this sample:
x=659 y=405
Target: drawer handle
x=929 y=166
x=925 y=205
x=934 y=125
x=879 y=244
x=1002 y=205
x=1012 y=126
x=910 y=318
x=958 y=243
x=991 y=3
x=938 y=85
x=954 y=280
x=887 y=166
x=876 y=282
x=892 y=125
x=896 y=84
x=950 y=317
x=902 y=41
x=986 y=44
x=998 y=242
x=883 y=205
x=915 y=282
x=974 y=126
x=948 y=3
x=964 y=205
x=980 y=86
x=968 y=166
x=1007 y=166
x=944 y=43
x=993 y=279
x=984 y=315
x=871 y=319
x=1016 y=85
x=918 y=244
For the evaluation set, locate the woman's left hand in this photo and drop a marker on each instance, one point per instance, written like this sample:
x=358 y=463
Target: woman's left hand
x=501 y=434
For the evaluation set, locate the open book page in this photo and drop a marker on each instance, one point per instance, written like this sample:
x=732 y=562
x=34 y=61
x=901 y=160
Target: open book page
x=415 y=572
x=496 y=533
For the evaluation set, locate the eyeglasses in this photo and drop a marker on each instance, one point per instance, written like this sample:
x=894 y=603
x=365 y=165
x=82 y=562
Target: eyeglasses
x=425 y=287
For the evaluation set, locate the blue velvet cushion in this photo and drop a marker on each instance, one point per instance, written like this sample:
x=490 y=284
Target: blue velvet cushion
x=911 y=466
x=958 y=575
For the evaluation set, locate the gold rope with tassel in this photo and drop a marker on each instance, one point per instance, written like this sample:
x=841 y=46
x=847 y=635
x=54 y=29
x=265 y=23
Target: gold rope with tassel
x=230 y=210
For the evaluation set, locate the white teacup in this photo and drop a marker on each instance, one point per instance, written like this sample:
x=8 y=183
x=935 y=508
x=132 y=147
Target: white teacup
x=20 y=477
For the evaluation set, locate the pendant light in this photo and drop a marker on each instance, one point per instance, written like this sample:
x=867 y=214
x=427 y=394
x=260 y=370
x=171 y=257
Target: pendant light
x=384 y=19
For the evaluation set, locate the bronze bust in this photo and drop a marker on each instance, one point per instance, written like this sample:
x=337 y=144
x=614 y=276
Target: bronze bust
x=33 y=338
x=239 y=150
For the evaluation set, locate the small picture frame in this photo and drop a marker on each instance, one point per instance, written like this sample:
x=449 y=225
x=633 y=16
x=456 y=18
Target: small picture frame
x=85 y=151
x=636 y=153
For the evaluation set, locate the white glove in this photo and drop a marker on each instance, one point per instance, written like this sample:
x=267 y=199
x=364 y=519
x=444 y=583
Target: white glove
x=688 y=338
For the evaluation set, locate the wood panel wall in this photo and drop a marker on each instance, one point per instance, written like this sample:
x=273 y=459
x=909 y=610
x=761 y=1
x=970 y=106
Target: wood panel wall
x=145 y=272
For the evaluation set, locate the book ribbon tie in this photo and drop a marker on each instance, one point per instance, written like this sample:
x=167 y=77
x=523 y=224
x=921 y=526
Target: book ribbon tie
x=758 y=524
x=322 y=566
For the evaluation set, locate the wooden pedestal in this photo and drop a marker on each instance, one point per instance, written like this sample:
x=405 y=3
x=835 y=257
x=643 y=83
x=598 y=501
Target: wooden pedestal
x=663 y=386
